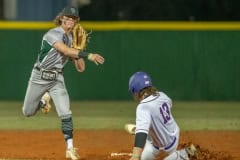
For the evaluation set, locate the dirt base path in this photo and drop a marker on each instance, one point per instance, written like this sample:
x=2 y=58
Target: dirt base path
x=99 y=144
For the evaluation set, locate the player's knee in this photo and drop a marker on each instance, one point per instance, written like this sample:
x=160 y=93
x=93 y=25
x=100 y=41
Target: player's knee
x=26 y=113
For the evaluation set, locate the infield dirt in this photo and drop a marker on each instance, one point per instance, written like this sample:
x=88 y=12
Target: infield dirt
x=99 y=144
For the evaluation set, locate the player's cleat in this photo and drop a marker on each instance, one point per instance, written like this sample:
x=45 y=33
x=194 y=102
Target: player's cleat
x=192 y=151
x=72 y=154
x=45 y=108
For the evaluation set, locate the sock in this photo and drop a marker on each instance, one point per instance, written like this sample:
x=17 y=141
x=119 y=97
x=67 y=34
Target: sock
x=67 y=129
x=69 y=143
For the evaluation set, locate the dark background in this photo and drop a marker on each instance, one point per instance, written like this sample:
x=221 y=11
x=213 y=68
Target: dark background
x=199 y=10
x=111 y=10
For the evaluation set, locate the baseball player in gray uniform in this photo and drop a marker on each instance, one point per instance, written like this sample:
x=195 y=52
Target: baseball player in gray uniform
x=156 y=130
x=47 y=74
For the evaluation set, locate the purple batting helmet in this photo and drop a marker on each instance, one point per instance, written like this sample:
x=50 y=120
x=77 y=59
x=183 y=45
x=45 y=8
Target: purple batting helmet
x=138 y=81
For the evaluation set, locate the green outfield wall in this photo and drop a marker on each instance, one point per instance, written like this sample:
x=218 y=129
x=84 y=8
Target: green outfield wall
x=188 y=61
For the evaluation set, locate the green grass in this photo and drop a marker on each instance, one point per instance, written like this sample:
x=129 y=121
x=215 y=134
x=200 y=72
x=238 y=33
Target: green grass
x=114 y=114
x=207 y=115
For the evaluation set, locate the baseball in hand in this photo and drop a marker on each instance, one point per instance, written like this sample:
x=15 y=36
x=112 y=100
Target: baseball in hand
x=130 y=128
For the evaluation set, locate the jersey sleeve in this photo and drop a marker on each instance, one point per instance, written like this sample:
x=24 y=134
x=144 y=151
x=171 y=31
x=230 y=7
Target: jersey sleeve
x=167 y=99
x=170 y=103
x=143 y=118
x=52 y=37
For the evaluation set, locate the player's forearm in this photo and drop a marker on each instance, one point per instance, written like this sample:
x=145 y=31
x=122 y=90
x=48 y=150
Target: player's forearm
x=80 y=64
x=67 y=51
x=140 y=140
x=72 y=53
x=75 y=53
x=137 y=152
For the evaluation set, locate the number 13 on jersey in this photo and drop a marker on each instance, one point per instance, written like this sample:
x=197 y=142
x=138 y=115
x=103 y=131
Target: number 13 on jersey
x=164 y=110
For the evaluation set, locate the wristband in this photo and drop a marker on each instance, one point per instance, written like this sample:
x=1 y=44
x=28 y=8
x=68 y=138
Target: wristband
x=140 y=139
x=90 y=56
x=83 y=54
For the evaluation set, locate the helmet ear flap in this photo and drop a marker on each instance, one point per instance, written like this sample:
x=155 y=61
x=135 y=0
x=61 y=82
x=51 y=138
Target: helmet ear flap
x=132 y=91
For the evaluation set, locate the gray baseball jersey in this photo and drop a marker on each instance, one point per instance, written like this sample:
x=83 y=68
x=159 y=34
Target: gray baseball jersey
x=47 y=75
x=49 y=57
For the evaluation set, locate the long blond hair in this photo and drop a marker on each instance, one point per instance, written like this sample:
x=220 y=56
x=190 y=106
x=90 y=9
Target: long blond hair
x=145 y=92
x=57 y=21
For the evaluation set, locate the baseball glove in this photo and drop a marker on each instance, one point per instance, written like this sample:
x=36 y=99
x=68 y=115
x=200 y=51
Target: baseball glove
x=80 y=37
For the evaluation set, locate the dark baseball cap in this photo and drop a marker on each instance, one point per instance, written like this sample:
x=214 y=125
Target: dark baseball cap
x=70 y=11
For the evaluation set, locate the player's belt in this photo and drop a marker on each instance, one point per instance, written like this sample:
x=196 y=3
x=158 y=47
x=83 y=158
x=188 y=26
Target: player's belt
x=167 y=147
x=39 y=69
x=49 y=75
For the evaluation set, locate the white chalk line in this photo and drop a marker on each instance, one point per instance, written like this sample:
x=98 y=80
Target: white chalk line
x=121 y=154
